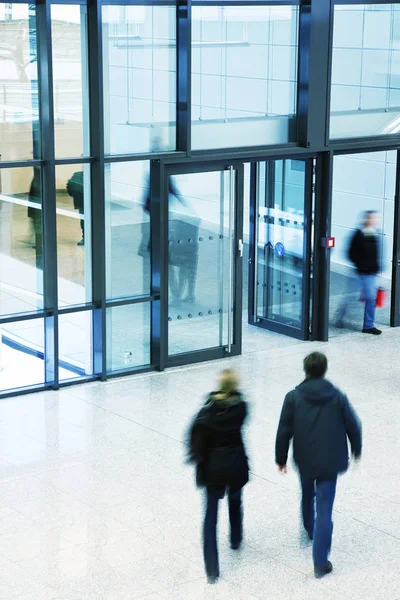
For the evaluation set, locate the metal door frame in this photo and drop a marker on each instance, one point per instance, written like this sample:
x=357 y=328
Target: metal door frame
x=303 y=333
x=395 y=295
x=235 y=347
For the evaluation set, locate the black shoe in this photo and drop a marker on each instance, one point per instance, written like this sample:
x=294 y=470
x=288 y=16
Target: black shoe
x=236 y=546
x=81 y=243
x=372 y=331
x=319 y=573
x=212 y=579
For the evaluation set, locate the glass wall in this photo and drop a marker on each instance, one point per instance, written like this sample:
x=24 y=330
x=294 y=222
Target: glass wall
x=365 y=96
x=127 y=229
x=244 y=75
x=21 y=241
x=361 y=182
x=70 y=80
x=19 y=110
x=139 y=59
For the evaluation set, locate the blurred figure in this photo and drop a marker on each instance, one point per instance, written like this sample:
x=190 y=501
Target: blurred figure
x=319 y=418
x=216 y=448
x=364 y=254
x=75 y=190
x=183 y=241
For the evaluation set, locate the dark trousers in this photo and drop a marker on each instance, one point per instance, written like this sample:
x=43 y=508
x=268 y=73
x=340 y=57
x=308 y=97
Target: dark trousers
x=210 y=548
x=319 y=526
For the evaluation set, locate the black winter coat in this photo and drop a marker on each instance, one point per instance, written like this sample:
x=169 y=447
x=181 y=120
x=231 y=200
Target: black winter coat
x=75 y=189
x=216 y=443
x=364 y=253
x=319 y=418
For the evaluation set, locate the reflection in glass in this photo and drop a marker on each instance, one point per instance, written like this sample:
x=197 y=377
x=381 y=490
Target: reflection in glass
x=139 y=58
x=200 y=244
x=360 y=182
x=127 y=208
x=280 y=241
x=69 y=47
x=244 y=81
x=73 y=234
x=75 y=345
x=21 y=274
x=19 y=110
x=128 y=336
x=21 y=354
x=365 y=93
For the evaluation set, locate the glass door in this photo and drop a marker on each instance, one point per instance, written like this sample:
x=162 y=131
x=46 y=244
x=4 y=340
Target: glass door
x=280 y=246
x=204 y=263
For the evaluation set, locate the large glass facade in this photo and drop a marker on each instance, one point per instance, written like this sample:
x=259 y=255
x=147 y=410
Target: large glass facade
x=130 y=134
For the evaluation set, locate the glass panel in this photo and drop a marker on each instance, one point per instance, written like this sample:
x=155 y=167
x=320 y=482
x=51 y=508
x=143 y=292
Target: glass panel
x=21 y=275
x=365 y=93
x=21 y=354
x=244 y=81
x=139 y=57
x=70 y=76
x=128 y=336
x=73 y=234
x=280 y=243
x=19 y=111
x=127 y=229
x=360 y=182
x=200 y=250
x=75 y=345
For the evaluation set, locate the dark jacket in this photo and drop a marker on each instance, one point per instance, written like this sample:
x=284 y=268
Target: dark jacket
x=320 y=419
x=34 y=196
x=216 y=444
x=75 y=189
x=364 y=253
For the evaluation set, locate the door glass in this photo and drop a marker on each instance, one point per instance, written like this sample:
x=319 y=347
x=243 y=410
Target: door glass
x=280 y=235
x=201 y=266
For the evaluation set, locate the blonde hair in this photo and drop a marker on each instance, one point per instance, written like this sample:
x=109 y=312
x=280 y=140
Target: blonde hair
x=228 y=382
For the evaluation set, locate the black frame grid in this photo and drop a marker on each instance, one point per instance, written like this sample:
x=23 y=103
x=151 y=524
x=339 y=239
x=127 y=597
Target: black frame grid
x=313 y=114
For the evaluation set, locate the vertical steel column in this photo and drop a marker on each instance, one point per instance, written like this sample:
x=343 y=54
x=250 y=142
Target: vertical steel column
x=395 y=299
x=97 y=186
x=159 y=264
x=322 y=229
x=48 y=181
x=314 y=73
x=183 y=83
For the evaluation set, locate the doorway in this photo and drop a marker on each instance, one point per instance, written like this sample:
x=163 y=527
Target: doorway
x=204 y=262
x=361 y=182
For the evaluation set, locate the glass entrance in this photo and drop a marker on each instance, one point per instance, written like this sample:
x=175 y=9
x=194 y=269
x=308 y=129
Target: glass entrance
x=280 y=246
x=204 y=263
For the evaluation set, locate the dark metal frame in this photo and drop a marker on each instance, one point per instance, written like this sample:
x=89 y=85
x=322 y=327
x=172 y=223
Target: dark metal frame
x=313 y=108
x=301 y=333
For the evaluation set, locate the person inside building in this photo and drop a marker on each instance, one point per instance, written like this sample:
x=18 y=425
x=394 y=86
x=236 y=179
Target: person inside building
x=364 y=254
x=319 y=418
x=217 y=449
x=75 y=190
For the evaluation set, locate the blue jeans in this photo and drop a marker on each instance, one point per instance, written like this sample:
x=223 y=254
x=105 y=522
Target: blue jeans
x=319 y=527
x=368 y=292
x=210 y=549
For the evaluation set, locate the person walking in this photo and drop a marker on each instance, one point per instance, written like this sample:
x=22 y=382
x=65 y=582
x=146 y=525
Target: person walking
x=364 y=254
x=319 y=418
x=217 y=449
x=75 y=190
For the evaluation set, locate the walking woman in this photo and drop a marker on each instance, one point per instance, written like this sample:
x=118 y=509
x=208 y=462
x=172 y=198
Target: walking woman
x=216 y=447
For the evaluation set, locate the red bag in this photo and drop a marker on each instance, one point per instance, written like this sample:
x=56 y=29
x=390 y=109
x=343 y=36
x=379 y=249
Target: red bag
x=381 y=297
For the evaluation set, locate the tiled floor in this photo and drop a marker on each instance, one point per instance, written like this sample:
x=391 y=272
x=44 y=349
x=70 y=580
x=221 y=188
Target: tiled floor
x=96 y=502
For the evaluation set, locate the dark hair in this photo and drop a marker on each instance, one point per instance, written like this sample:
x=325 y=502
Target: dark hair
x=315 y=365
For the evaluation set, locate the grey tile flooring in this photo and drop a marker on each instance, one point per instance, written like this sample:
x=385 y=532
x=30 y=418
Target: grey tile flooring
x=96 y=502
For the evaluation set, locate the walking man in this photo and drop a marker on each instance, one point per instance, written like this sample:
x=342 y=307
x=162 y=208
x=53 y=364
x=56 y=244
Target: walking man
x=319 y=418
x=364 y=254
